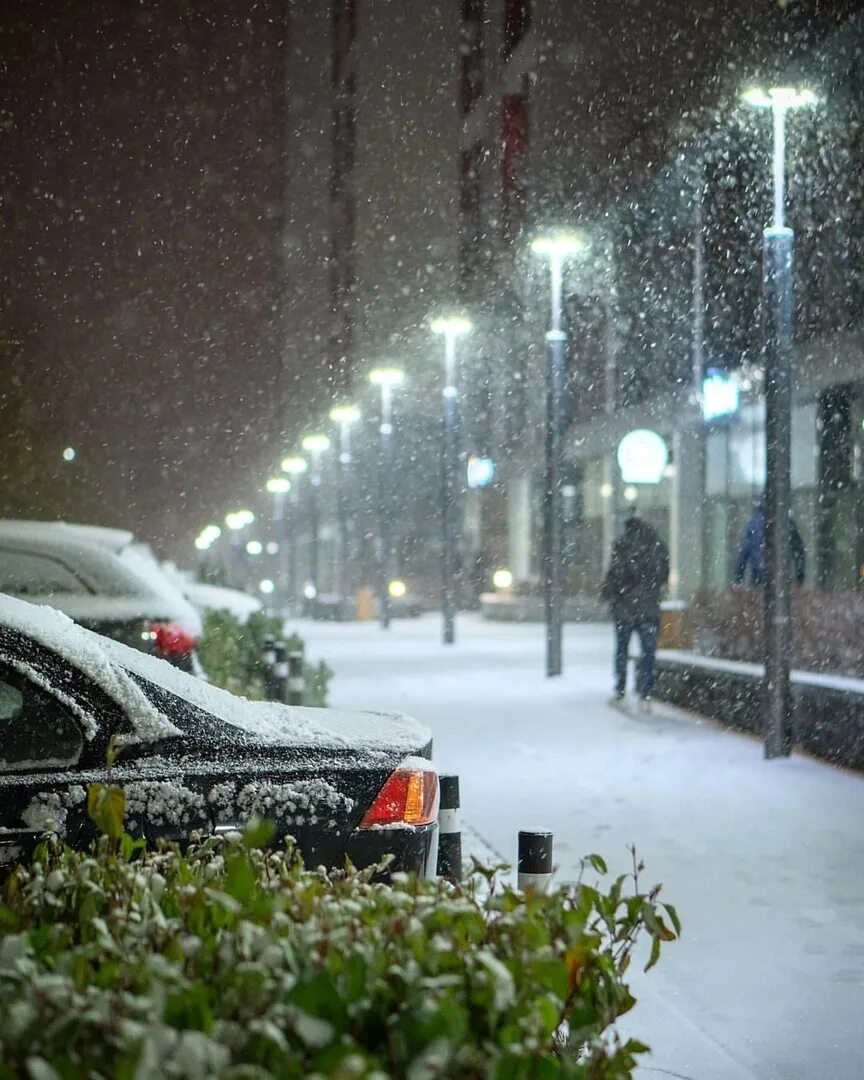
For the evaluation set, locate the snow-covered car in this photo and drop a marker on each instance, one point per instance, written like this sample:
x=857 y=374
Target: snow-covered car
x=104 y=580
x=206 y=598
x=193 y=757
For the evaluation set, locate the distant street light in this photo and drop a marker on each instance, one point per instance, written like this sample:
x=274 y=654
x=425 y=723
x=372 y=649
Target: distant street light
x=207 y=537
x=450 y=329
x=346 y=416
x=295 y=467
x=778 y=297
x=315 y=446
x=557 y=248
x=386 y=379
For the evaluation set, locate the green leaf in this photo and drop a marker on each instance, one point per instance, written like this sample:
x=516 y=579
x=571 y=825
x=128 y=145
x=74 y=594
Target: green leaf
x=106 y=807
x=258 y=833
x=672 y=912
x=240 y=877
x=598 y=863
x=655 y=954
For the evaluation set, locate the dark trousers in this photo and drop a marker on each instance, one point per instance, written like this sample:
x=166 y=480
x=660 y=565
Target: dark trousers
x=646 y=626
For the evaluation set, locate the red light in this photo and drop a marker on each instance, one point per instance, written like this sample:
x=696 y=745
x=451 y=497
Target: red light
x=409 y=797
x=171 y=640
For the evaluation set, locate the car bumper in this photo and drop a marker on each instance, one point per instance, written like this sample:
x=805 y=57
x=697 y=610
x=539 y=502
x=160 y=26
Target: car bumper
x=414 y=850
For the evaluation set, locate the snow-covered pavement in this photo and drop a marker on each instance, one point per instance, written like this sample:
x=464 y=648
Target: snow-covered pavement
x=764 y=860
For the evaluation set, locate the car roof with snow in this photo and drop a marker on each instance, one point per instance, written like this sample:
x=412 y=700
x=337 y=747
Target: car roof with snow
x=118 y=671
x=112 y=539
x=108 y=575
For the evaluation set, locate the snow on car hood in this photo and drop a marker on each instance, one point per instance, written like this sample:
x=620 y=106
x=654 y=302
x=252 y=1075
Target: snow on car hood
x=86 y=651
x=110 y=665
x=273 y=724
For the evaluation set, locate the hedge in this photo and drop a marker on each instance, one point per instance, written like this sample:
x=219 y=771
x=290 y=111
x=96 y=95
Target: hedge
x=231 y=960
x=232 y=653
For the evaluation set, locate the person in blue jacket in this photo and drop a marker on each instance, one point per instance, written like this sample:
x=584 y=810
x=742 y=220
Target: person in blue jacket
x=751 y=550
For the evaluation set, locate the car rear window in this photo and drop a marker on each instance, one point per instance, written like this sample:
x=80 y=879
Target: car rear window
x=25 y=574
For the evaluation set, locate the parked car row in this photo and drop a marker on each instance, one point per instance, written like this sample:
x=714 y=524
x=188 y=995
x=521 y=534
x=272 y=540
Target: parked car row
x=192 y=757
x=104 y=580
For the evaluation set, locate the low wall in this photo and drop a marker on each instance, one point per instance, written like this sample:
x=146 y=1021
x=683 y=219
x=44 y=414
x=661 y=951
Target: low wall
x=829 y=709
x=506 y=608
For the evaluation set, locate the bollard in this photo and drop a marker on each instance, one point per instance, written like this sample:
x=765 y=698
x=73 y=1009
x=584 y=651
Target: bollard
x=296 y=679
x=268 y=660
x=534 y=867
x=449 y=836
x=280 y=672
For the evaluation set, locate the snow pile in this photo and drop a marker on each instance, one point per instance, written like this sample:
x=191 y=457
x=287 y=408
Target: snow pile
x=86 y=652
x=162 y=802
x=297 y=803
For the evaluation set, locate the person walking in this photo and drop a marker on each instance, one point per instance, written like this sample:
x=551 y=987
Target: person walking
x=638 y=571
x=751 y=549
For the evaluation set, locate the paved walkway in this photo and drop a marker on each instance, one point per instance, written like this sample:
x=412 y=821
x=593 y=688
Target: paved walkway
x=764 y=860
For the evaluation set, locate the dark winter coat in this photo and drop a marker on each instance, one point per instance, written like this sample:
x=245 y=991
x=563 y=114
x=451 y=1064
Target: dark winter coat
x=637 y=573
x=751 y=551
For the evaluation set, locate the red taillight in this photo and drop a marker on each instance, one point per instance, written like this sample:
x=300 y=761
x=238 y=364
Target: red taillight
x=409 y=797
x=170 y=640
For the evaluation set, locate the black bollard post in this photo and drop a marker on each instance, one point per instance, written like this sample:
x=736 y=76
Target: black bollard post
x=280 y=673
x=449 y=836
x=268 y=660
x=534 y=868
x=296 y=679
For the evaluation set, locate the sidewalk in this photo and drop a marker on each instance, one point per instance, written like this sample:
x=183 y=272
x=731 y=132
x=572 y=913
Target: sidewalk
x=764 y=860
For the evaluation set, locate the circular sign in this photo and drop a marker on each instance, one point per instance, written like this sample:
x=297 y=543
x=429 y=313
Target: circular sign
x=642 y=457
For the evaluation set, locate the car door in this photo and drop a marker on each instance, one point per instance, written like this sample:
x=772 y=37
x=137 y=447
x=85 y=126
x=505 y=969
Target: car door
x=42 y=751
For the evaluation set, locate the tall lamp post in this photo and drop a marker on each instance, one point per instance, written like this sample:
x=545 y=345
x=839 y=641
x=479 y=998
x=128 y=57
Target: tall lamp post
x=278 y=487
x=386 y=379
x=345 y=416
x=557 y=249
x=295 y=467
x=450 y=329
x=778 y=297
x=315 y=446
x=237 y=521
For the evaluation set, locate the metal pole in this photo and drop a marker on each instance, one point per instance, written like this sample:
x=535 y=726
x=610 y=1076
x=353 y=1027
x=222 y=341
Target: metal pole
x=553 y=576
x=449 y=834
x=778 y=293
x=698 y=299
x=385 y=480
x=314 y=545
x=281 y=532
x=449 y=497
x=293 y=595
x=534 y=862
x=342 y=496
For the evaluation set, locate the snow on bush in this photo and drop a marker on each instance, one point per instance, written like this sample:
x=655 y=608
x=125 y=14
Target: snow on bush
x=231 y=960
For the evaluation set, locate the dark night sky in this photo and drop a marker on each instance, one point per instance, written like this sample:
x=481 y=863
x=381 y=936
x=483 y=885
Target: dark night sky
x=141 y=213
x=140 y=251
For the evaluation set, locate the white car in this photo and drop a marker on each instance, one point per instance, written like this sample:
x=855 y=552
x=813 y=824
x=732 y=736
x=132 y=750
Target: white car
x=212 y=597
x=103 y=580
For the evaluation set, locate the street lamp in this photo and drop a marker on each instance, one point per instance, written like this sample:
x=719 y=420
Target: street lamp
x=345 y=416
x=278 y=487
x=557 y=248
x=778 y=297
x=450 y=329
x=315 y=446
x=236 y=521
x=295 y=467
x=386 y=379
